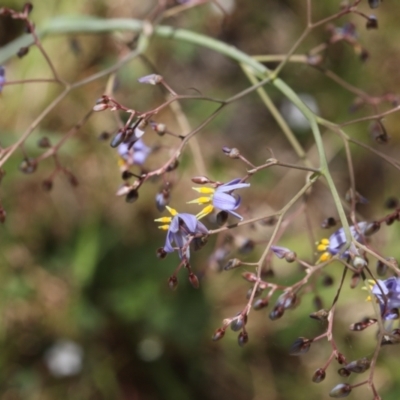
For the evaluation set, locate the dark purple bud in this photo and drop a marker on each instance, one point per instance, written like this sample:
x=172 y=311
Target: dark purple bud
x=238 y=323
x=243 y=338
x=23 y=51
x=374 y=3
x=3 y=215
x=328 y=223
x=344 y=372
x=173 y=282
x=226 y=150
x=372 y=22
x=118 y=138
x=276 y=313
x=359 y=366
x=319 y=375
x=392 y=202
x=321 y=315
x=47 y=185
x=44 y=143
x=300 y=346
x=327 y=280
x=194 y=281
x=232 y=263
x=173 y=165
x=286 y=300
x=341 y=359
x=341 y=390
x=28 y=166
x=260 y=304
x=132 y=196
x=201 y=180
x=360 y=326
x=257 y=293
x=218 y=334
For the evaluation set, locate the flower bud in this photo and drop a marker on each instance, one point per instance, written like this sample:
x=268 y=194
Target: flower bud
x=381 y=268
x=341 y=390
x=238 y=323
x=249 y=276
x=376 y=129
x=28 y=166
x=100 y=107
x=290 y=256
x=359 y=366
x=23 y=51
x=194 y=281
x=372 y=228
x=161 y=253
x=319 y=375
x=118 y=138
x=360 y=326
x=160 y=129
x=300 y=346
x=218 y=334
x=328 y=223
x=374 y=3
x=243 y=338
x=44 y=143
x=232 y=263
x=344 y=372
x=276 y=313
x=286 y=300
x=260 y=304
x=173 y=282
x=152 y=79
x=257 y=293
x=321 y=315
x=132 y=196
x=200 y=180
x=162 y=200
x=372 y=22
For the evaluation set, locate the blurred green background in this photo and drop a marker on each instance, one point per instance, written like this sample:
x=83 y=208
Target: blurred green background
x=86 y=312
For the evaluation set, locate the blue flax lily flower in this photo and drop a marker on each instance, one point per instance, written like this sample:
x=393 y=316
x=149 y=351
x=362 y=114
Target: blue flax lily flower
x=220 y=197
x=387 y=293
x=135 y=154
x=2 y=77
x=181 y=227
x=334 y=244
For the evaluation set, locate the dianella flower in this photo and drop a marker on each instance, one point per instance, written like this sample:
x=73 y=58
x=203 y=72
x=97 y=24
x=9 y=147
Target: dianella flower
x=337 y=240
x=181 y=229
x=135 y=154
x=220 y=197
x=2 y=77
x=387 y=293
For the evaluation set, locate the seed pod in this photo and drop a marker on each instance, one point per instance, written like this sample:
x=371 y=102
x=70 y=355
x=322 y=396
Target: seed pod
x=260 y=304
x=319 y=375
x=341 y=390
x=173 y=282
x=243 y=338
x=359 y=366
x=300 y=346
x=194 y=281
x=218 y=334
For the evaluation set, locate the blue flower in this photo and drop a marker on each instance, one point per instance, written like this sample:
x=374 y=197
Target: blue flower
x=387 y=293
x=134 y=154
x=2 y=77
x=220 y=197
x=334 y=244
x=182 y=228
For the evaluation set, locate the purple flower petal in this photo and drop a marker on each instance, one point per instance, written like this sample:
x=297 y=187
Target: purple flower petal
x=225 y=202
x=232 y=185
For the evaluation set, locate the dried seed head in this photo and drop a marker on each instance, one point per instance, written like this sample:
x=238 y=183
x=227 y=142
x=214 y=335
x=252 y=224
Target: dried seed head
x=359 y=366
x=218 y=334
x=243 y=338
x=250 y=277
x=300 y=346
x=173 y=282
x=260 y=304
x=194 y=281
x=319 y=375
x=341 y=390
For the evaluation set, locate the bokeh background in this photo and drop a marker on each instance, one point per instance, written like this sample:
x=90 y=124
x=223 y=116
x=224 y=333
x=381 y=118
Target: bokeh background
x=86 y=312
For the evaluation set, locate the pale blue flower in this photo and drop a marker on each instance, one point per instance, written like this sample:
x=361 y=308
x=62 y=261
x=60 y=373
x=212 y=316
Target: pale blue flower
x=135 y=154
x=387 y=293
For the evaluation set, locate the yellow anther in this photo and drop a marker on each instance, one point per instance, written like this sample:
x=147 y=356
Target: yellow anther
x=322 y=247
x=164 y=220
x=324 y=257
x=121 y=162
x=206 y=210
x=204 y=190
x=164 y=227
x=200 y=200
x=172 y=211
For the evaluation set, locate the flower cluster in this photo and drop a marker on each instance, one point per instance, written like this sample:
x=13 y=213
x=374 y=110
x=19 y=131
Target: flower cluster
x=134 y=154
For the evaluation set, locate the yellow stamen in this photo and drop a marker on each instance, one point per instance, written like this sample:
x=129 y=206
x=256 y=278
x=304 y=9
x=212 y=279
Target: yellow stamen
x=206 y=210
x=121 y=162
x=324 y=257
x=204 y=190
x=164 y=227
x=200 y=200
x=164 y=220
x=172 y=211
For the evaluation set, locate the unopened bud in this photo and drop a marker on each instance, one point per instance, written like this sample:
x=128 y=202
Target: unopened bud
x=238 y=323
x=360 y=326
x=218 y=334
x=359 y=366
x=28 y=166
x=276 y=313
x=232 y=263
x=161 y=253
x=173 y=165
x=118 y=138
x=372 y=22
x=100 y=107
x=341 y=390
x=319 y=375
x=243 y=338
x=344 y=372
x=381 y=268
x=152 y=79
x=201 y=180
x=377 y=130
x=158 y=128
x=374 y=3
x=372 y=228
x=44 y=143
x=300 y=346
x=286 y=300
x=23 y=51
x=321 y=315
x=260 y=304
x=194 y=281
x=249 y=276
x=290 y=256
x=173 y=282
x=132 y=196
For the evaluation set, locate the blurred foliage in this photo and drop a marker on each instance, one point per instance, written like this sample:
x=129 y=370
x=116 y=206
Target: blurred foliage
x=79 y=264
